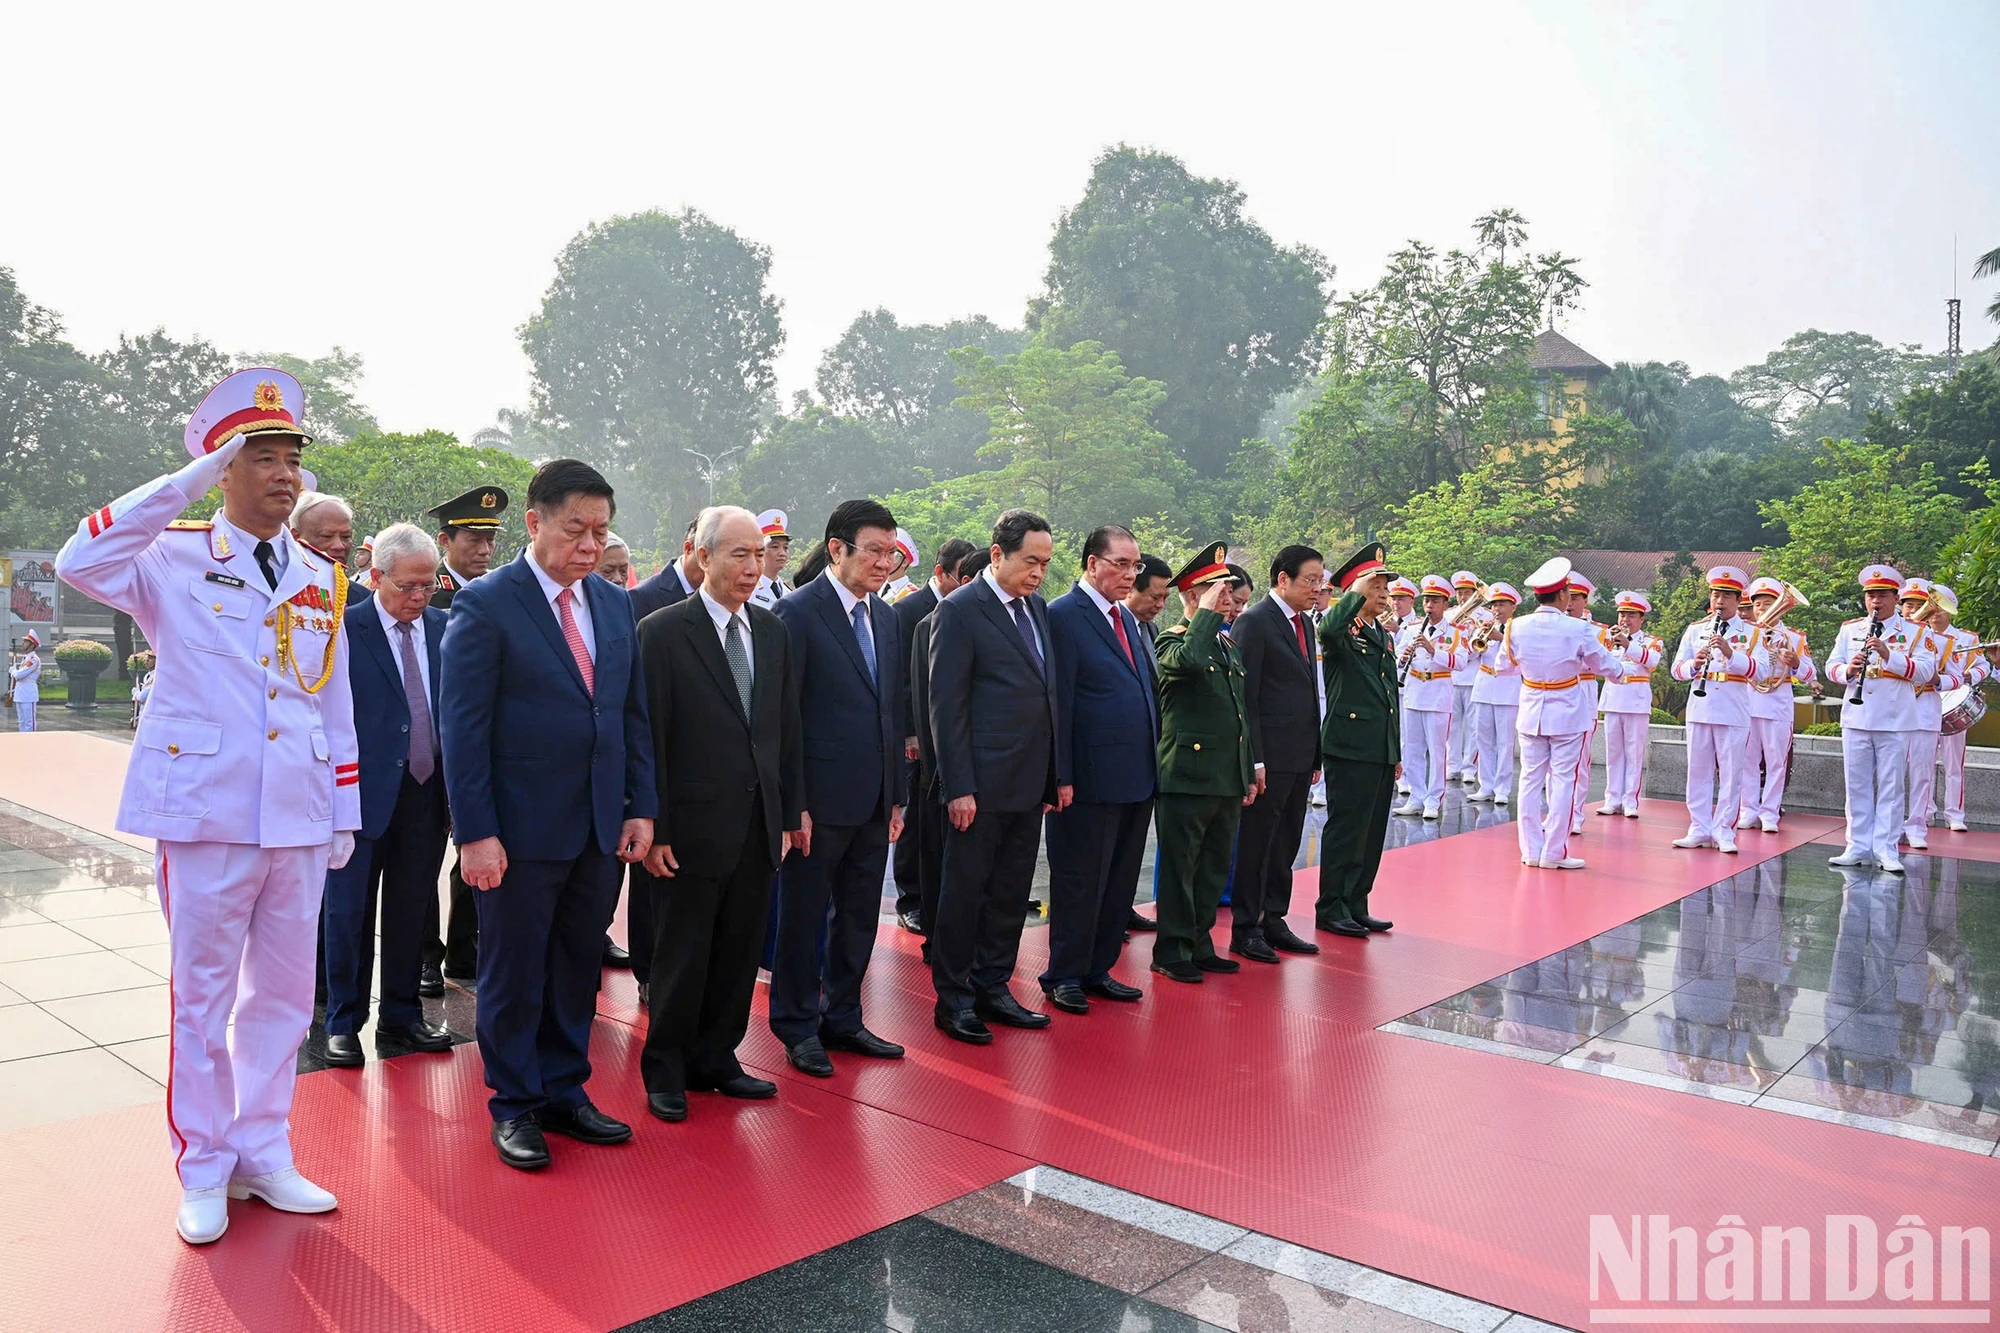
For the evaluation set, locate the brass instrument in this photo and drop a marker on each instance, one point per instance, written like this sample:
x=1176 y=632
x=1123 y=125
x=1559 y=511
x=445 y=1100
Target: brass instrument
x=1789 y=598
x=1927 y=608
x=1481 y=595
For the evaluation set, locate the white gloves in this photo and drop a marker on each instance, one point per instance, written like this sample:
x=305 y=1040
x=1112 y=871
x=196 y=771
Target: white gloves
x=343 y=847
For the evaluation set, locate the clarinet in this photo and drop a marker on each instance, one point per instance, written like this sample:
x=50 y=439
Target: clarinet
x=1423 y=635
x=1701 y=685
x=1874 y=631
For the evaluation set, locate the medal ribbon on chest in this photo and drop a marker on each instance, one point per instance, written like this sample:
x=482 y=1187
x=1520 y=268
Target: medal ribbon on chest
x=313 y=595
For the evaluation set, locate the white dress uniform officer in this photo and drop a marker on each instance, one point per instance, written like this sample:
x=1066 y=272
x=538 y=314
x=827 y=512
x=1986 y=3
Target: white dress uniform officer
x=1463 y=739
x=1627 y=704
x=1581 y=590
x=1402 y=609
x=24 y=679
x=244 y=771
x=1913 y=600
x=777 y=551
x=1496 y=700
x=899 y=586
x=1551 y=653
x=1784 y=661
x=1971 y=667
x=1427 y=652
x=1880 y=659
x=1715 y=655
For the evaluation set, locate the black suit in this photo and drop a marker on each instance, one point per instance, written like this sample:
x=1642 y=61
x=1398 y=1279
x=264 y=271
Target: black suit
x=662 y=590
x=1281 y=703
x=926 y=810
x=909 y=878
x=994 y=717
x=730 y=786
x=852 y=721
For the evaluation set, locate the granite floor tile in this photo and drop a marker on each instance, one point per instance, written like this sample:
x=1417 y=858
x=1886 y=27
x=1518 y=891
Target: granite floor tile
x=1430 y=1304
x=42 y=979
x=1135 y=1315
x=1810 y=1085
x=72 y=1083
x=131 y=931
x=1244 y=1298
x=83 y=904
x=13 y=859
x=155 y=958
x=10 y=997
x=1696 y=1068
x=115 y=1016
x=41 y=939
x=1204 y=1233
x=1663 y=1029
x=150 y=1056
x=1088 y=1244
x=29 y=1031
x=60 y=879
x=19 y=912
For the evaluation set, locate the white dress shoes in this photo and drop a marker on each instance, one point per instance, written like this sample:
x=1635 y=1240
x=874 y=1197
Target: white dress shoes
x=1432 y=812
x=1746 y=820
x=1692 y=841
x=1847 y=859
x=1567 y=863
x=1958 y=826
x=1890 y=864
x=1499 y=798
x=203 y=1215
x=1631 y=812
x=1725 y=845
x=1770 y=826
x=286 y=1190
x=1408 y=808
x=1918 y=843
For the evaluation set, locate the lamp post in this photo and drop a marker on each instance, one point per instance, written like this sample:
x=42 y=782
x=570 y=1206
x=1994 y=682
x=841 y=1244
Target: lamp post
x=711 y=466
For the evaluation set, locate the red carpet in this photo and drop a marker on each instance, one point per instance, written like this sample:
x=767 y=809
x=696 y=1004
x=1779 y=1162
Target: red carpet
x=1265 y=1099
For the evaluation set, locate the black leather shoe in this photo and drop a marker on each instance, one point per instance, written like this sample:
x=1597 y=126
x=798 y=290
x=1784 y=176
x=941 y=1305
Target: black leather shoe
x=586 y=1124
x=1180 y=971
x=521 y=1143
x=418 y=1036
x=1281 y=938
x=1346 y=925
x=912 y=921
x=1374 y=922
x=809 y=1057
x=344 y=1051
x=1254 y=948
x=1109 y=989
x=1215 y=962
x=862 y=1042
x=1009 y=1012
x=614 y=956
x=1068 y=996
x=669 y=1106
x=449 y=971
x=741 y=1086
x=430 y=982
x=1134 y=921
x=962 y=1025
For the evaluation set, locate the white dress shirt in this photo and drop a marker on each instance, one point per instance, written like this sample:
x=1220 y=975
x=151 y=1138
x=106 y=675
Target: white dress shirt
x=1006 y=604
x=579 y=605
x=391 y=627
x=722 y=615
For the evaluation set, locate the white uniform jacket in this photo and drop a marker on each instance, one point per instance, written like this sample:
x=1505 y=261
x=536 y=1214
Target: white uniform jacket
x=1552 y=653
x=1966 y=661
x=1427 y=688
x=27 y=679
x=1467 y=670
x=1775 y=704
x=1630 y=689
x=1889 y=695
x=231 y=747
x=1493 y=685
x=1727 y=702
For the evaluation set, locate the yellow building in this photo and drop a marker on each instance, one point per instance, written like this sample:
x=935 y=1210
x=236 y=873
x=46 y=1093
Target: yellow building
x=1566 y=378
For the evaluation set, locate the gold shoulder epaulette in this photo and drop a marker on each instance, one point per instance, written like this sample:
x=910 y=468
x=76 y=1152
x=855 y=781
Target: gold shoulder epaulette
x=1856 y=621
x=190 y=525
x=1178 y=629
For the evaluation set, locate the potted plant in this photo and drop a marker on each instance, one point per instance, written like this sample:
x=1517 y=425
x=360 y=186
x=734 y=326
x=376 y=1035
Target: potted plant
x=82 y=662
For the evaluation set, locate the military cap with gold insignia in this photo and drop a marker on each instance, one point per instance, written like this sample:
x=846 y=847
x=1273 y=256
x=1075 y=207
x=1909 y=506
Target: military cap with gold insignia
x=479 y=507
x=1208 y=565
x=1370 y=559
x=257 y=401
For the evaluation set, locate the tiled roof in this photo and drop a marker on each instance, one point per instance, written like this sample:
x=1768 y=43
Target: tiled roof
x=1616 y=570
x=1555 y=352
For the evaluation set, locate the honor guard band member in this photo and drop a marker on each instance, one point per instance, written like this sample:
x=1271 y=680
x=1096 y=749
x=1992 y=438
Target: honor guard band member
x=900 y=584
x=1461 y=736
x=1972 y=668
x=1627 y=704
x=1715 y=653
x=1785 y=662
x=244 y=771
x=1552 y=652
x=1402 y=612
x=468 y=530
x=1916 y=601
x=1427 y=654
x=1496 y=700
x=1360 y=744
x=777 y=552
x=1879 y=659
x=24 y=677
x=1580 y=591
x=1206 y=771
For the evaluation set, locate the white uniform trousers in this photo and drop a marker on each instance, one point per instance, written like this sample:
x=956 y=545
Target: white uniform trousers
x=1922 y=781
x=1425 y=736
x=1464 y=742
x=1548 y=785
x=1952 y=750
x=242 y=925
x=1579 y=799
x=1876 y=765
x=1715 y=762
x=1625 y=736
x=1770 y=745
x=1496 y=747
x=26 y=713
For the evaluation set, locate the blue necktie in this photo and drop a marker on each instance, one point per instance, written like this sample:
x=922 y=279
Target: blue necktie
x=1025 y=623
x=867 y=639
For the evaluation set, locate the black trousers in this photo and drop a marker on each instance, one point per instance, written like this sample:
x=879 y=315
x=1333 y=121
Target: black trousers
x=1266 y=841
x=909 y=880
x=927 y=818
x=639 y=896
x=402 y=866
x=541 y=950
x=1095 y=851
x=989 y=875
x=838 y=888
x=458 y=949
x=707 y=933
x=1358 y=797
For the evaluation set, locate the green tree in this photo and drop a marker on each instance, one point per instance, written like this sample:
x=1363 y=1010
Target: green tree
x=1951 y=425
x=332 y=385
x=1649 y=397
x=1857 y=513
x=655 y=344
x=391 y=477
x=1823 y=385
x=1970 y=562
x=901 y=381
x=1987 y=267
x=49 y=407
x=1164 y=267
x=816 y=458
x=1493 y=518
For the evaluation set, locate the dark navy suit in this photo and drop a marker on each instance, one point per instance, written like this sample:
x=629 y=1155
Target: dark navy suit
x=1110 y=734
x=400 y=845
x=663 y=589
x=553 y=769
x=853 y=720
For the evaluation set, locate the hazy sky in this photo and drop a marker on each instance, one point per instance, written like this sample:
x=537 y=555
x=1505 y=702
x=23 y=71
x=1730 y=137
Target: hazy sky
x=398 y=179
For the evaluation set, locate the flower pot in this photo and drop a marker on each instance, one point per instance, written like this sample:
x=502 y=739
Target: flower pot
x=82 y=684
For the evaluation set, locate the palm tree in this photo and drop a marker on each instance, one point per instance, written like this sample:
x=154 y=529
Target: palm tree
x=1988 y=266
x=1648 y=396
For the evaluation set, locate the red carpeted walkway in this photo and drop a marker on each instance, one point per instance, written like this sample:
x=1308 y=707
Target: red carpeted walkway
x=1265 y=1099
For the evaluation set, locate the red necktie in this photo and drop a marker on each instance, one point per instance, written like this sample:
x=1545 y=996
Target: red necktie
x=1299 y=623
x=575 y=638
x=1118 y=626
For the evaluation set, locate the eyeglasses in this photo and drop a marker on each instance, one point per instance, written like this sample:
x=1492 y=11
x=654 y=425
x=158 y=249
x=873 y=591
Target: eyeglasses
x=879 y=554
x=411 y=589
x=1121 y=566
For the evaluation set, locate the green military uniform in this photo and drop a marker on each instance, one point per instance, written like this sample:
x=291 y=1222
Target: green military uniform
x=1205 y=771
x=1362 y=744
x=479 y=509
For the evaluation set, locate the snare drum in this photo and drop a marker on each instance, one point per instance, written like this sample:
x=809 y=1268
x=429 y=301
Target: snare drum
x=1963 y=707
